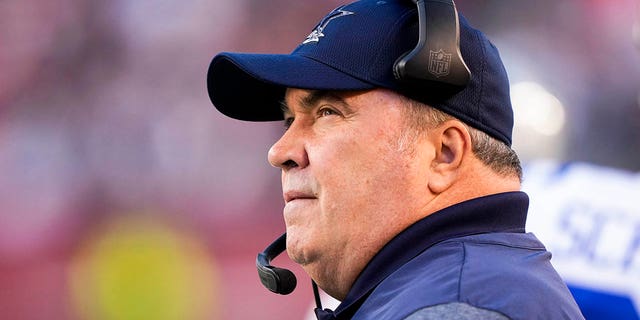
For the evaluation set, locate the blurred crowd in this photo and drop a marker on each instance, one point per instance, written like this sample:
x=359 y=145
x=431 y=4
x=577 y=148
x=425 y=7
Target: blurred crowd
x=113 y=161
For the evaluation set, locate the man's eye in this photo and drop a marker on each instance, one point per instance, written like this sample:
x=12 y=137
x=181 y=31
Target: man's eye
x=326 y=112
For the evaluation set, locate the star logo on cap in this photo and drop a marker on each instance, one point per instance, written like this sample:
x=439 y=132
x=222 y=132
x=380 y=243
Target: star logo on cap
x=316 y=34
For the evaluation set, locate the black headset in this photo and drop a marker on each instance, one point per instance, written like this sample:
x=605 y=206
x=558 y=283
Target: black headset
x=435 y=61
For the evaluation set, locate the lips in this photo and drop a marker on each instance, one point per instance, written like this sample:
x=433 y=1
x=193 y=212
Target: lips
x=297 y=195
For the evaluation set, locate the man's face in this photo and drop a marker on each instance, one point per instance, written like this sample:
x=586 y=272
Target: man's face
x=350 y=175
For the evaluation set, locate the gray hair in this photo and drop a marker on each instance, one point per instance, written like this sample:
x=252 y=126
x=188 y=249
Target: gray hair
x=490 y=151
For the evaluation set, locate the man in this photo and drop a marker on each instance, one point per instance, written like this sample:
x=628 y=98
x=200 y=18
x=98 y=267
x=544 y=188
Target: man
x=402 y=197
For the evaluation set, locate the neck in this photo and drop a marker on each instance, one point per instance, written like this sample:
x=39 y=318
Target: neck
x=479 y=182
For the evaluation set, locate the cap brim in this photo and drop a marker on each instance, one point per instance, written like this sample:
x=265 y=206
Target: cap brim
x=251 y=86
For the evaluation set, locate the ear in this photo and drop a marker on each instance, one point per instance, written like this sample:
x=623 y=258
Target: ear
x=452 y=144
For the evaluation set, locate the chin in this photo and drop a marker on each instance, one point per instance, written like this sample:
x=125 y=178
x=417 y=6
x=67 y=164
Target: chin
x=299 y=251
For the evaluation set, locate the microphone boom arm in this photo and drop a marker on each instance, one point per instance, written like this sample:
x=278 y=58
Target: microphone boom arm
x=277 y=280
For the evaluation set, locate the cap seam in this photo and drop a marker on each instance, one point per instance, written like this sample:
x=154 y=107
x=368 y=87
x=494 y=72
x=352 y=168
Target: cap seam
x=483 y=66
x=481 y=98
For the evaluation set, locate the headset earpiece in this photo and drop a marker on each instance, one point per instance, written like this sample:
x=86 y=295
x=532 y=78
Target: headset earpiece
x=436 y=60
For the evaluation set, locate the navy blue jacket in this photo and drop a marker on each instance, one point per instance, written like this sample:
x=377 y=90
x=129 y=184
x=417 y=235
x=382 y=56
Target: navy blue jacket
x=476 y=253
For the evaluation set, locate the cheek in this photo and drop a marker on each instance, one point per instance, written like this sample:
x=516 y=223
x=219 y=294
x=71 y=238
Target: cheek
x=359 y=168
x=356 y=175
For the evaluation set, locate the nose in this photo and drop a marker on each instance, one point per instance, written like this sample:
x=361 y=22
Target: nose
x=289 y=151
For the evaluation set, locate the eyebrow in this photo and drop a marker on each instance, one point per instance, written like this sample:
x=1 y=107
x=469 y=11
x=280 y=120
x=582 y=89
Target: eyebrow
x=311 y=100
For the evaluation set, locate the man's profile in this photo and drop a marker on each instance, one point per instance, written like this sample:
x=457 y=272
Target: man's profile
x=402 y=193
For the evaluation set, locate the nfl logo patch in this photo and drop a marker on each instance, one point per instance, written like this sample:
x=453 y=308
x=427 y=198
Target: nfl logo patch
x=439 y=63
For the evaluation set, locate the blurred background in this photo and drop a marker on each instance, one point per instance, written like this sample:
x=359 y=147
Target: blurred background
x=125 y=195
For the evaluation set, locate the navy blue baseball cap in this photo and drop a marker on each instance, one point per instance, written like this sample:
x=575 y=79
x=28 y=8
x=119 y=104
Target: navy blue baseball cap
x=355 y=47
